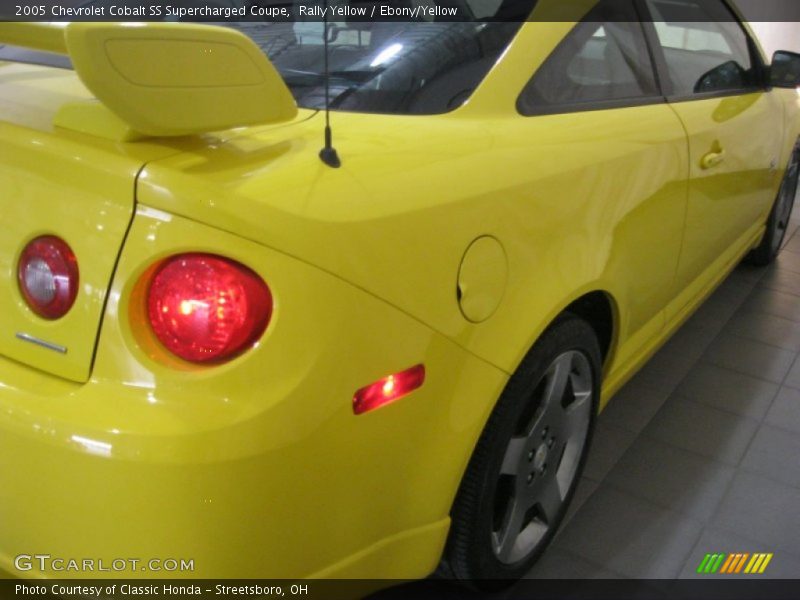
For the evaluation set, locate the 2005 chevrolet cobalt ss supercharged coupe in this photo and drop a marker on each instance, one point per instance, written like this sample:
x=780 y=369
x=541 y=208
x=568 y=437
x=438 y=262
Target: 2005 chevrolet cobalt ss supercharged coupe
x=217 y=347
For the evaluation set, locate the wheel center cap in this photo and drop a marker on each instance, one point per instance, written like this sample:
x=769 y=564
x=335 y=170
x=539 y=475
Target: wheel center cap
x=540 y=458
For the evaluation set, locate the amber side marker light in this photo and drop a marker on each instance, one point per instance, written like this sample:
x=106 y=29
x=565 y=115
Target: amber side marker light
x=388 y=389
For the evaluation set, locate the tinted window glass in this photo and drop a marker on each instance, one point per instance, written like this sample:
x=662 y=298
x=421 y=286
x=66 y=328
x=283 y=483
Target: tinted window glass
x=427 y=65
x=704 y=49
x=604 y=59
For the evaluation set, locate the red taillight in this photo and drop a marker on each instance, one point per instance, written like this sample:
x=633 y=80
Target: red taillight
x=388 y=389
x=48 y=276
x=205 y=308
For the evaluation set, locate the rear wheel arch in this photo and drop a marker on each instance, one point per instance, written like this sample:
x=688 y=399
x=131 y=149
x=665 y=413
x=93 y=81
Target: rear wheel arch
x=597 y=309
x=594 y=304
x=465 y=560
x=600 y=311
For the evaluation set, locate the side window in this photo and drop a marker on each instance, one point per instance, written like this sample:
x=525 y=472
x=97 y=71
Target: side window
x=604 y=60
x=705 y=49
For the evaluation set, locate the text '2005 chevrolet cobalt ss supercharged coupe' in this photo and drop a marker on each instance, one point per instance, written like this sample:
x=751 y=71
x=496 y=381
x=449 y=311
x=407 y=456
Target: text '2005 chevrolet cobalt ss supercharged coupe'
x=217 y=346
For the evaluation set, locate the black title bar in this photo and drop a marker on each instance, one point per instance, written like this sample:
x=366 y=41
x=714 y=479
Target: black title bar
x=351 y=11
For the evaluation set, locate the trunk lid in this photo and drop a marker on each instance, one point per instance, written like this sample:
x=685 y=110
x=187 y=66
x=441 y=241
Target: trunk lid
x=66 y=184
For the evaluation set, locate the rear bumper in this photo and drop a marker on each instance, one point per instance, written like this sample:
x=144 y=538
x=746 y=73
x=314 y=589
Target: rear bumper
x=255 y=469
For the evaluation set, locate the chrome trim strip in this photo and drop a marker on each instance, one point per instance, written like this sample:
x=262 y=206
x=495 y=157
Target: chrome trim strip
x=50 y=346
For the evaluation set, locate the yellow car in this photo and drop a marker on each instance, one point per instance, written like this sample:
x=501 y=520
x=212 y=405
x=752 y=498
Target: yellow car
x=233 y=348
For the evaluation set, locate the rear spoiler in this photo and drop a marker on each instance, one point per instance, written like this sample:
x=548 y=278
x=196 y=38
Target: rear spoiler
x=48 y=37
x=160 y=79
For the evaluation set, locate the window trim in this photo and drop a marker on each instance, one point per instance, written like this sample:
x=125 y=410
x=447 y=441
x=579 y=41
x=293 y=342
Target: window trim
x=590 y=106
x=660 y=61
x=596 y=105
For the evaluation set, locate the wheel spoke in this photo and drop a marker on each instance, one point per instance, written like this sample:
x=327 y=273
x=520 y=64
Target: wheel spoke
x=576 y=416
x=540 y=462
x=787 y=196
x=513 y=456
x=556 y=380
x=785 y=209
x=786 y=213
x=574 y=426
x=557 y=384
x=549 y=499
x=507 y=537
x=531 y=535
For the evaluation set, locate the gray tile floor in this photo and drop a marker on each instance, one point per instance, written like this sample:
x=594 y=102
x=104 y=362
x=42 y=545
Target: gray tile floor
x=700 y=452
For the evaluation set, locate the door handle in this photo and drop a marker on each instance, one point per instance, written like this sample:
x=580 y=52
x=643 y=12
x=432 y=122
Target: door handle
x=712 y=159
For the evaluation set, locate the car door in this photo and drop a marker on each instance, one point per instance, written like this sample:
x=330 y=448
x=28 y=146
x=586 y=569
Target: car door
x=609 y=155
x=714 y=79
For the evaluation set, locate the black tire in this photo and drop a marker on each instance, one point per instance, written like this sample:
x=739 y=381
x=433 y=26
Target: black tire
x=474 y=546
x=779 y=216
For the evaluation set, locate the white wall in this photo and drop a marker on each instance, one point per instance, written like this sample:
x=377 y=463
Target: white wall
x=778 y=36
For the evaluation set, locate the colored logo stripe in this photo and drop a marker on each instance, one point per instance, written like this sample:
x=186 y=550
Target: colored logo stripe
x=759 y=563
x=731 y=564
x=728 y=563
x=717 y=563
x=737 y=564
x=704 y=564
x=711 y=563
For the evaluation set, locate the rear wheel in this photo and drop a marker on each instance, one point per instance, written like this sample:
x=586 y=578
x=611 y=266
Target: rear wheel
x=778 y=222
x=528 y=461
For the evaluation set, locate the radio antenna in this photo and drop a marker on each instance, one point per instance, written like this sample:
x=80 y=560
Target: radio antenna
x=328 y=153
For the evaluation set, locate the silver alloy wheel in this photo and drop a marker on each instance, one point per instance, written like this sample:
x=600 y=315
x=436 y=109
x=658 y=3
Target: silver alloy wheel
x=783 y=212
x=542 y=458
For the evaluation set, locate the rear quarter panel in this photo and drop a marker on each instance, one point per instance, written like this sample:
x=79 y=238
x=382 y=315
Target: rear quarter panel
x=580 y=202
x=243 y=467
